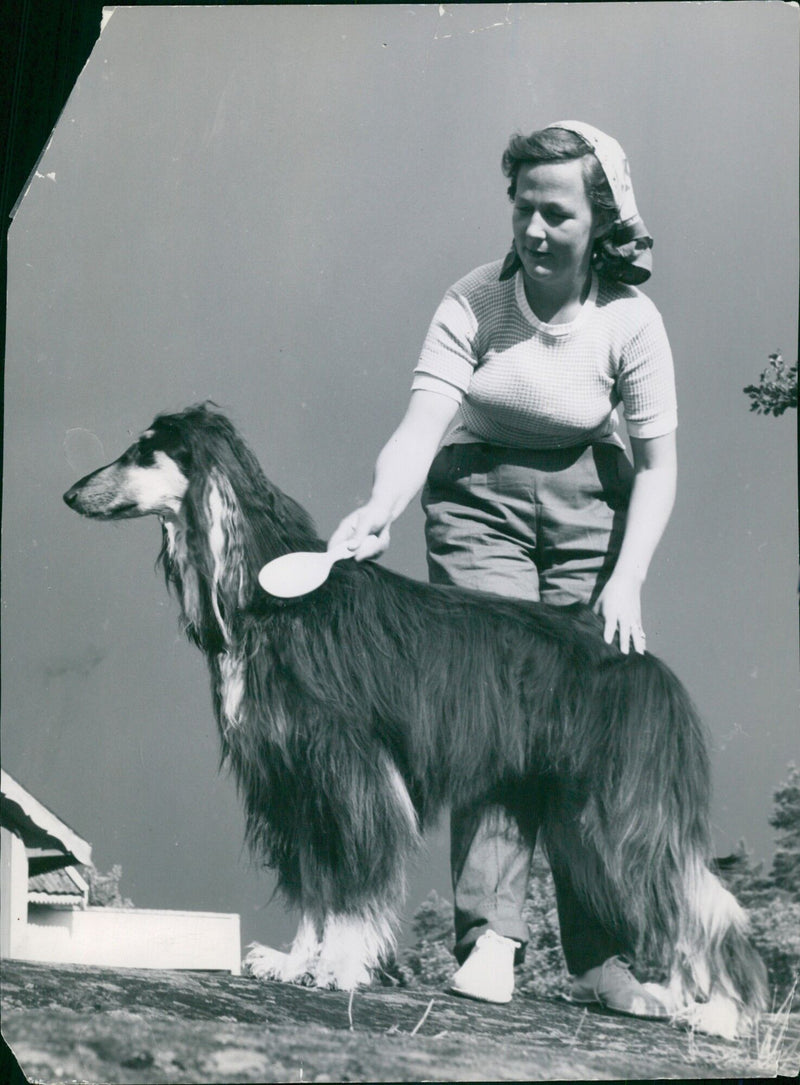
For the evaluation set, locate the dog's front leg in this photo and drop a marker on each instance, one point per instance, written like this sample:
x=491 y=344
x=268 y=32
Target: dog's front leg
x=265 y=963
x=353 y=946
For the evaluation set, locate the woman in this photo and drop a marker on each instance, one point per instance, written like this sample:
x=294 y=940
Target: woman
x=529 y=492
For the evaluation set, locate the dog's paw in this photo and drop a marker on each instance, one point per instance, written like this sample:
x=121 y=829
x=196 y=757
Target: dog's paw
x=666 y=996
x=341 y=974
x=719 y=1016
x=265 y=963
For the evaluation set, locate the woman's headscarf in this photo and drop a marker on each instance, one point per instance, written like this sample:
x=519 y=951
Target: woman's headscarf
x=624 y=252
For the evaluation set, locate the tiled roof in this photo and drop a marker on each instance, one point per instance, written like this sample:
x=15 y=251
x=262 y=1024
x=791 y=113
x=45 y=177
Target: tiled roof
x=53 y=883
x=37 y=825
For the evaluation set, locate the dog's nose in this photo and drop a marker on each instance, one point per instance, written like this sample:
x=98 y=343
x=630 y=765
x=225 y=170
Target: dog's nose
x=71 y=496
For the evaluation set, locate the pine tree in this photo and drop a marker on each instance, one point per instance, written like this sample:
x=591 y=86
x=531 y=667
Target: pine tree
x=785 y=818
x=744 y=877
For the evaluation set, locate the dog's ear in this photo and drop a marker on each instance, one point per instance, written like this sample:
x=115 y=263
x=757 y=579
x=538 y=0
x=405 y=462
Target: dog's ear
x=226 y=545
x=215 y=541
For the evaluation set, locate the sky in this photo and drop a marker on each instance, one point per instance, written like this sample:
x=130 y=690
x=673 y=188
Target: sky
x=263 y=207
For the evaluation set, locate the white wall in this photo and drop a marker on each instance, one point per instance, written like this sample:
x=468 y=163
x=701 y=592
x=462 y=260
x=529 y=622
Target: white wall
x=132 y=938
x=13 y=891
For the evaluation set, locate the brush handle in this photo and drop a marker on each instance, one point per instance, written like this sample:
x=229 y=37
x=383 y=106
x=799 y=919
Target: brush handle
x=298 y=574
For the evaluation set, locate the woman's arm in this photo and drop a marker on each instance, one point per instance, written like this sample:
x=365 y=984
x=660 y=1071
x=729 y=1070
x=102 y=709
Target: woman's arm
x=400 y=471
x=652 y=498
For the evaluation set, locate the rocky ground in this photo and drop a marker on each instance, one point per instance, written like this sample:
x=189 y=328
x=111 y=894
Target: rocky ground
x=73 y=1023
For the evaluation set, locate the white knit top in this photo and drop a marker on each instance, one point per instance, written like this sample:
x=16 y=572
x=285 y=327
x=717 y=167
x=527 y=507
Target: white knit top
x=523 y=383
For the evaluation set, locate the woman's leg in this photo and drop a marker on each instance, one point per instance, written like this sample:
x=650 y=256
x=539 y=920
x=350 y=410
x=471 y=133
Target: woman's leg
x=530 y=525
x=478 y=539
x=581 y=525
x=490 y=866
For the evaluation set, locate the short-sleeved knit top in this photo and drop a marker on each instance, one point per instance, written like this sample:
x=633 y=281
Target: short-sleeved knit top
x=523 y=383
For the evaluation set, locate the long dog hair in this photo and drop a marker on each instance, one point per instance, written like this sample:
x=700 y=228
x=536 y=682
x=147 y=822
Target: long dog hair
x=351 y=715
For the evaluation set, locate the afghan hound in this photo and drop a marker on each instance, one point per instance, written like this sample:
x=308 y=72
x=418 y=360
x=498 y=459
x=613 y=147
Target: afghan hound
x=351 y=715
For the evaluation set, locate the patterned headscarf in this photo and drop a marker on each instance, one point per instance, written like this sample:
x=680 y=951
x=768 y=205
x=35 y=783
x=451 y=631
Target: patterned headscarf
x=624 y=252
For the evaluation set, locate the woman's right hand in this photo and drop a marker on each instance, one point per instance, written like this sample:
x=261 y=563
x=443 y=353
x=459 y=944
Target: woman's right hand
x=365 y=531
x=399 y=473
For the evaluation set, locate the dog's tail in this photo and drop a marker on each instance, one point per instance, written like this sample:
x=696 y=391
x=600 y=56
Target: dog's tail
x=641 y=830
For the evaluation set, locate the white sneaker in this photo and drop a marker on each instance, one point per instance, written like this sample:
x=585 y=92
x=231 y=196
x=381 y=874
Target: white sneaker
x=613 y=986
x=488 y=973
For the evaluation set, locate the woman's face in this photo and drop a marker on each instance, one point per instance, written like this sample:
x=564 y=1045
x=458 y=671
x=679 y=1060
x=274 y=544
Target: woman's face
x=554 y=227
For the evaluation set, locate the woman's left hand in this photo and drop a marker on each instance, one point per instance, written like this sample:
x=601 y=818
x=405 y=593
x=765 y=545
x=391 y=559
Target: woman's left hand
x=619 y=605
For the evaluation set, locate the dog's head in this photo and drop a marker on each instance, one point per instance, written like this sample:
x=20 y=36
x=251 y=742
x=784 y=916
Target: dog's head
x=151 y=477
x=191 y=469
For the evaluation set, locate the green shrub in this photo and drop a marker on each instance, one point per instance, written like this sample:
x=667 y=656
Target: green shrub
x=104 y=891
x=776 y=390
x=775 y=931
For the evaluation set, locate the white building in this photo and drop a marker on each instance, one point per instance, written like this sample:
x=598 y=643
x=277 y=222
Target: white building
x=45 y=914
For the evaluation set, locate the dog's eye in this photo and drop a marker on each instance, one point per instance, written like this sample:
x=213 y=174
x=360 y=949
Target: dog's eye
x=140 y=454
x=167 y=440
x=146 y=456
x=145 y=450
